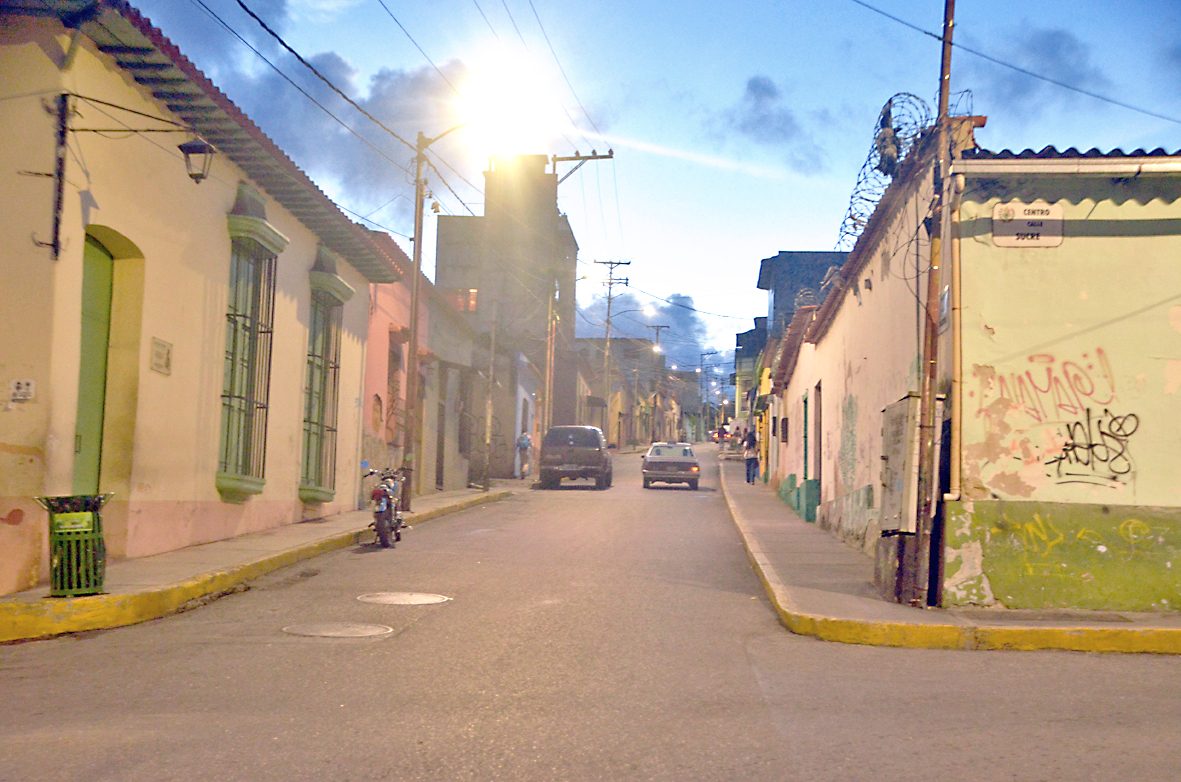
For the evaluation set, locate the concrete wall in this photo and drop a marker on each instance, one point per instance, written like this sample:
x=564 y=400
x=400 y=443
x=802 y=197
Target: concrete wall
x=867 y=359
x=172 y=249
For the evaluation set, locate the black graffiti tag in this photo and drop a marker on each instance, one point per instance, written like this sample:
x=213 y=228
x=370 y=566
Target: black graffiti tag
x=1096 y=449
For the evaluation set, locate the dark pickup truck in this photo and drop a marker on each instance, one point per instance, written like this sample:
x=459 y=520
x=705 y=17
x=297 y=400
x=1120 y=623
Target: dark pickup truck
x=574 y=452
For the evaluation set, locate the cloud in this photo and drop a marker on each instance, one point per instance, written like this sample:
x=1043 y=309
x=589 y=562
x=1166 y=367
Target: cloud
x=351 y=171
x=683 y=341
x=1052 y=53
x=1171 y=67
x=763 y=117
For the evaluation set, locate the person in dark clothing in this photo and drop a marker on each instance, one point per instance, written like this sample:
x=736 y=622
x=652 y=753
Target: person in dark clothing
x=750 y=452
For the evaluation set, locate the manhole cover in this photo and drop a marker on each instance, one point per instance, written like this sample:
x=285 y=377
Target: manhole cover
x=338 y=630
x=403 y=598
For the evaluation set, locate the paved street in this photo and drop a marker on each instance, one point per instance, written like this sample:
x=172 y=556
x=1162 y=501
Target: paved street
x=617 y=635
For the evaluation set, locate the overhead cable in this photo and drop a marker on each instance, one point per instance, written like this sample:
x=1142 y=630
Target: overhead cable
x=323 y=78
x=1019 y=69
x=416 y=46
x=301 y=90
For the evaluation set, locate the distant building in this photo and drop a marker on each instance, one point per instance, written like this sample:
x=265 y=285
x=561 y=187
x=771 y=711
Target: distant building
x=792 y=278
x=513 y=270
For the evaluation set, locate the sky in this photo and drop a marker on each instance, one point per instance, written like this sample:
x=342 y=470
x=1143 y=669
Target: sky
x=737 y=128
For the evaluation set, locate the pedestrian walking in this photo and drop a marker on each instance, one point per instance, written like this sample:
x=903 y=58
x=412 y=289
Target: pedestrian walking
x=525 y=450
x=750 y=452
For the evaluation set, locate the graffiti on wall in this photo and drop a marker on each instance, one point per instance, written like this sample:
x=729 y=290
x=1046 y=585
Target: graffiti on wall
x=1050 y=389
x=1060 y=418
x=1095 y=449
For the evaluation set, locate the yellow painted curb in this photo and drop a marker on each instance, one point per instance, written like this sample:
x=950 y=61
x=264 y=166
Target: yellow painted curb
x=1142 y=640
x=22 y=621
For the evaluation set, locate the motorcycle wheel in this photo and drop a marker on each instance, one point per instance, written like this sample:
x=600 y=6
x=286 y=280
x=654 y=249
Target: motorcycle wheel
x=383 y=531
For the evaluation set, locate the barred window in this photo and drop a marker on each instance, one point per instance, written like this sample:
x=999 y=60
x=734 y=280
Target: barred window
x=246 y=384
x=320 y=409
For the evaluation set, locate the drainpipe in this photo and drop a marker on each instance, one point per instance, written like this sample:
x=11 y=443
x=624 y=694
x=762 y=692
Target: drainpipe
x=957 y=347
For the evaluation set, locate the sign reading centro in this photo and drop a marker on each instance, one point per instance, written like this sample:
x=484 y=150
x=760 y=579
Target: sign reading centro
x=1017 y=224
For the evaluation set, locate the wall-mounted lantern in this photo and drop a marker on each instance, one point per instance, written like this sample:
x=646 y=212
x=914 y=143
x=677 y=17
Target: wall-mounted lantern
x=198 y=158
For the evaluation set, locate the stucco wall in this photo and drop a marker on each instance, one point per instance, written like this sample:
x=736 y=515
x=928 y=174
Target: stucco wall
x=171 y=246
x=867 y=359
x=1072 y=364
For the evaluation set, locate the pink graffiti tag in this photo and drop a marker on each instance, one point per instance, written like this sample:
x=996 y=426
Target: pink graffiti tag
x=1055 y=390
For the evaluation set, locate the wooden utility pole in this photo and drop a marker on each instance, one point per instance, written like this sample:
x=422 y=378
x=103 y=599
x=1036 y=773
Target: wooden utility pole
x=923 y=564
x=612 y=281
x=408 y=452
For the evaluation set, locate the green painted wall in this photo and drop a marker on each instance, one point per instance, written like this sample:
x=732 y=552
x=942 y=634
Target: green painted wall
x=1043 y=555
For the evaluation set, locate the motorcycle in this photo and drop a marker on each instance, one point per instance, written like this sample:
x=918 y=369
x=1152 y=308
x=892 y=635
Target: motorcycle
x=387 y=507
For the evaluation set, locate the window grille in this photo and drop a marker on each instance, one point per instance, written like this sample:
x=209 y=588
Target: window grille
x=323 y=378
x=246 y=385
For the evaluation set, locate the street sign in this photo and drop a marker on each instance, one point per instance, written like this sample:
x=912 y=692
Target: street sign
x=1018 y=224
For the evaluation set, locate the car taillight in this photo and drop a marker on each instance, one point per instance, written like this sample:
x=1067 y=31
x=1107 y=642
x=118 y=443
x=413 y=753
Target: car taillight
x=695 y=468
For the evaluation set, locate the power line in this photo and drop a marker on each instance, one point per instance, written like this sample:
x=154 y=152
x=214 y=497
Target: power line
x=687 y=307
x=1019 y=69
x=490 y=27
x=416 y=46
x=301 y=90
x=514 y=21
x=321 y=76
x=563 y=70
x=374 y=222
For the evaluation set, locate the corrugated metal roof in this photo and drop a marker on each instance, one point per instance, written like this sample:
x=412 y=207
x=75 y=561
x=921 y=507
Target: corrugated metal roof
x=1052 y=153
x=155 y=63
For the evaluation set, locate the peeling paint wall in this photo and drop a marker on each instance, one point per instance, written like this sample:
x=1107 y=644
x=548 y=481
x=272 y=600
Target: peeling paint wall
x=1044 y=555
x=867 y=359
x=1072 y=368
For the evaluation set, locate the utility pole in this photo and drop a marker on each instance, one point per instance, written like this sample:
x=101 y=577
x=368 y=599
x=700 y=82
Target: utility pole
x=923 y=567
x=408 y=453
x=612 y=281
x=551 y=321
x=659 y=385
x=580 y=161
x=554 y=317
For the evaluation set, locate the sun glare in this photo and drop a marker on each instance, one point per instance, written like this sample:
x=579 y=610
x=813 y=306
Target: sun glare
x=509 y=106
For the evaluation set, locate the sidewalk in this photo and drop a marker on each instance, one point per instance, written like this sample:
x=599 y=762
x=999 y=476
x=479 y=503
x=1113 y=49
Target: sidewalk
x=822 y=587
x=146 y=588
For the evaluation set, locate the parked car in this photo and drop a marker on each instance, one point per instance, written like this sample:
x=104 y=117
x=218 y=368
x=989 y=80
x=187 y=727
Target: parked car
x=671 y=463
x=574 y=452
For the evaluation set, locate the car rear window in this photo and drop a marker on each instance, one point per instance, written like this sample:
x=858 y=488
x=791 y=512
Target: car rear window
x=671 y=450
x=581 y=438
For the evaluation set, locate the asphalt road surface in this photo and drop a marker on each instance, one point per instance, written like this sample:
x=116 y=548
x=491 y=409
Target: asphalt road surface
x=590 y=635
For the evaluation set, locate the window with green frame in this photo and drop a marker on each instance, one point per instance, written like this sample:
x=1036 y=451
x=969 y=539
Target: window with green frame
x=246 y=384
x=318 y=481
x=329 y=294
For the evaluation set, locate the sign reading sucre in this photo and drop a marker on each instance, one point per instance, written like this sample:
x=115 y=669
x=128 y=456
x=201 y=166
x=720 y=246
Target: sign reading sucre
x=1017 y=224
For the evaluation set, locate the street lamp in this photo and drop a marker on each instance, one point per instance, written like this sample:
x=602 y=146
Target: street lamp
x=412 y=359
x=647 y=310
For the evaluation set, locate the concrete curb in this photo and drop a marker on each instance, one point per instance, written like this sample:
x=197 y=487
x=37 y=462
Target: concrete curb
x=1142 y=640
x=26 y=621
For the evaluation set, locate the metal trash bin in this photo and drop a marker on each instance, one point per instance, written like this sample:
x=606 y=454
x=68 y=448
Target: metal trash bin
x=77 y=551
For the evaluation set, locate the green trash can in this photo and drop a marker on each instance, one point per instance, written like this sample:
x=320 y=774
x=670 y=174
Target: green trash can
x=77 y=552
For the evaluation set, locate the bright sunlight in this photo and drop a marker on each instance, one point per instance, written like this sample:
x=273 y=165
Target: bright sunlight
x=509 y=105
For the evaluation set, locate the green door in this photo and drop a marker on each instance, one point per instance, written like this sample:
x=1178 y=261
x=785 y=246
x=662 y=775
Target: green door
x=97 y=271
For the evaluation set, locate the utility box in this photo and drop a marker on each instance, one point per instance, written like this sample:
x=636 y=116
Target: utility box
x=900 y=474
x=77 y=551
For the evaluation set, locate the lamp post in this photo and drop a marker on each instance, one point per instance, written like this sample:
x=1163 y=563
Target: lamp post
x=412 y=359
x=657 y=389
